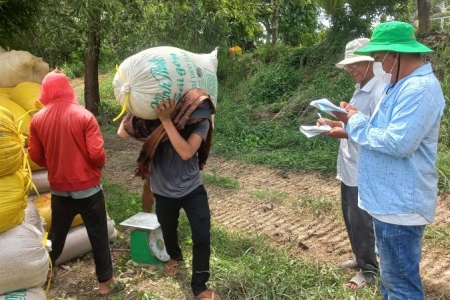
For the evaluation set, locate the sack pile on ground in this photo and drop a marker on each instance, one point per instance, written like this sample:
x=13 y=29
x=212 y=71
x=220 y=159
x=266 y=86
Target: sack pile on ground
x=25 y=201
x=159 y=73
x=24 y=259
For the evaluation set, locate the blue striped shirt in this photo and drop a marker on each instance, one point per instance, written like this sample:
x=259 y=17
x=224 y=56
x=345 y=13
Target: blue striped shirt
x=397 y=167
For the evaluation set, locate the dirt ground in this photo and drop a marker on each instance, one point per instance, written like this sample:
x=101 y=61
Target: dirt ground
x=311 y=236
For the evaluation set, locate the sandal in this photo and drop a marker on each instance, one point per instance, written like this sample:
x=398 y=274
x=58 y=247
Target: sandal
x=213 y=296
x=171 y=268
x=115 y=287
x=359 y=281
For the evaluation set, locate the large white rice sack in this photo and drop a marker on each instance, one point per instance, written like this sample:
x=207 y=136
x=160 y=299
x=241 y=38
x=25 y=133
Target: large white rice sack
x=21 y=66
x=159 y=73
x=24 y=261
x=35 y=293
x=32 y=216
x=77 y=242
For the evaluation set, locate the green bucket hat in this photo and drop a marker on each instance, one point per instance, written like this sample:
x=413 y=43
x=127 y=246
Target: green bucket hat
x=395 y=37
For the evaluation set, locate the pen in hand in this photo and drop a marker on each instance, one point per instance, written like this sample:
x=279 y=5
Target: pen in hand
x=320 y=118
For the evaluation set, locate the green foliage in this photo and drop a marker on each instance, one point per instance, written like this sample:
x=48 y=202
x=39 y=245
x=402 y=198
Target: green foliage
x=17 y=16
x=73 y=70
x=265 y=96
x=353 y=18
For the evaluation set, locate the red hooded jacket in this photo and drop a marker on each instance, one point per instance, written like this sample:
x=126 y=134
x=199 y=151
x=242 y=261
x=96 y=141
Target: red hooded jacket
x=65 y=138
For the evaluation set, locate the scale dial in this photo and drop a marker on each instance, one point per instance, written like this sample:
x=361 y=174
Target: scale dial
x=156 y=245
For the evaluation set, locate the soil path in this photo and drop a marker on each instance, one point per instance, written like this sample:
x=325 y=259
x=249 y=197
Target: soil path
x=288 y=222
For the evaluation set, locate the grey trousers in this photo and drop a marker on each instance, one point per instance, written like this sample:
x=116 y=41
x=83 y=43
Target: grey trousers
x=360 y=230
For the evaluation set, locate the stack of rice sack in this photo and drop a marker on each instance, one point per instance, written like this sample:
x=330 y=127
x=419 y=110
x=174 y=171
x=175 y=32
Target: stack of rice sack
x=24 y=259
x=159 y=73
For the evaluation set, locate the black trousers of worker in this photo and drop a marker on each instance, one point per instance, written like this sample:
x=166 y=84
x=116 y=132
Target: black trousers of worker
x=360 y=230
x=93 y=211
x=196 y=207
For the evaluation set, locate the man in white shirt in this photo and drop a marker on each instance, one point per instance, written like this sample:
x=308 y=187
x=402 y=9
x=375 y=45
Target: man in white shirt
x=358 y=222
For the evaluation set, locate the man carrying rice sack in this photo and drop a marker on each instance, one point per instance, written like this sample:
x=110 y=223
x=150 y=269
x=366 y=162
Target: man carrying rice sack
x=176 y=149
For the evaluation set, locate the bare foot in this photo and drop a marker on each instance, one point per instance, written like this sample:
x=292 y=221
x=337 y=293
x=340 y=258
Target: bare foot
x=208 y=295
x=106 y=287
x=171 y=267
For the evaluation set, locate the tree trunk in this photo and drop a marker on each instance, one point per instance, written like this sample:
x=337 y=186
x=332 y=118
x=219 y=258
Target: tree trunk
x=275 y=22
x=424 y=12
x=268 y=28
x=91 y=60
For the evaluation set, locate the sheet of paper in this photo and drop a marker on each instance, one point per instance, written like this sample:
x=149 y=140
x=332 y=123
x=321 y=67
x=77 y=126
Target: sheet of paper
x=313 y=130
x=327 y=106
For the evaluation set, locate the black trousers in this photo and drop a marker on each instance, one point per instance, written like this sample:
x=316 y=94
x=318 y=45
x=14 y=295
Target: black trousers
x=93 y=211
x=197 y=211
x=360 y=230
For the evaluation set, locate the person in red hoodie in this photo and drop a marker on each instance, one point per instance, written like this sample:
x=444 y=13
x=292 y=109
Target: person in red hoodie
x=66 y=139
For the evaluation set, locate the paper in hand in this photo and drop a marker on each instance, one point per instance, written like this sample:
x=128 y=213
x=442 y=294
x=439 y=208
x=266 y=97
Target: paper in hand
x=327 y=106
x=314 y=130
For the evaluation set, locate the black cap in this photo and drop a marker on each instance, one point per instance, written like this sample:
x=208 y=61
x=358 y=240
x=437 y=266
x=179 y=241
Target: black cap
x=202 y=111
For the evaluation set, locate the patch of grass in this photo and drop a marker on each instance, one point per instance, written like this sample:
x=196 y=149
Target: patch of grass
x=245 y=266
x=316 y=205
x=121 y=203
x=220 y=181
x=437 y=236
x=273 y=196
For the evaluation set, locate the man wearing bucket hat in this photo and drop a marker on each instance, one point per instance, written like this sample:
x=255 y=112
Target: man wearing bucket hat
x=358 y=222
x=397 y=168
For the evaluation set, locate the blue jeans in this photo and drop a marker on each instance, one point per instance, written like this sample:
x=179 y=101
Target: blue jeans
x=400 y=251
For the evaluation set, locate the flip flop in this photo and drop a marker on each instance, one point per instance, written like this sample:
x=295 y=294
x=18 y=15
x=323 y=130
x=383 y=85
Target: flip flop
x=359 y=280
x=118 y=286
x=172 y=269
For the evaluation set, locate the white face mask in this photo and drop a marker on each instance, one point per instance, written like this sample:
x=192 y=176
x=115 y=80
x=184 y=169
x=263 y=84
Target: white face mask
x=380 y=73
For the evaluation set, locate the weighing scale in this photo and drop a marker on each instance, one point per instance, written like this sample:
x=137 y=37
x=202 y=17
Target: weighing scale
x=146 y=240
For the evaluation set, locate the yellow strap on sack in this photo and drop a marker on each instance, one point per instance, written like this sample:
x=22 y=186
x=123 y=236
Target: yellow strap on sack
x=127 y=97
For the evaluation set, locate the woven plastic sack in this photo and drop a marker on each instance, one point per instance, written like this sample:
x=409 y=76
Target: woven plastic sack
x=159 y=73
x=32 y=217
x=24 y=260
x=21 y=116
x=13 y=201
x=35 y=293
x=5 y=92
x=26 y=94
x=21 y=66
x=40 y=182
x=11 y=153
